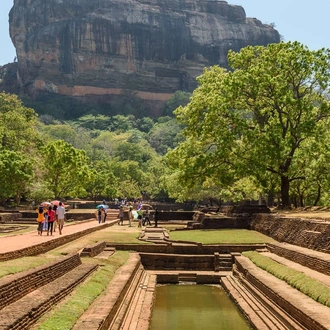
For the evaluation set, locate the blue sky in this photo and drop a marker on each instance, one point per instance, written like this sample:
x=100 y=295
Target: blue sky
x=305 y=21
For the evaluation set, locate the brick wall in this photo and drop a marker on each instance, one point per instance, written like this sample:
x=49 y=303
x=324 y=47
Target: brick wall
x=310 y=234
x=93 y=250
x=49 y=245
x=18 y=285
x=177 y=262
x=187 y=249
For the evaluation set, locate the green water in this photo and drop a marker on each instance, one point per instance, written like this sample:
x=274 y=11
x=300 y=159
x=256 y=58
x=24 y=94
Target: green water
x=195 y=307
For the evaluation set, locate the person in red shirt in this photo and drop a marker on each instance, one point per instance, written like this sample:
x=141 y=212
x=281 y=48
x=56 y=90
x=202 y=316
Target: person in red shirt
x=51 y=218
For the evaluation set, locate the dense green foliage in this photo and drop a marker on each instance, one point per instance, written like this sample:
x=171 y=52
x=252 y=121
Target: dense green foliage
x=262 y=121
x=92 y=156
x=259 y=129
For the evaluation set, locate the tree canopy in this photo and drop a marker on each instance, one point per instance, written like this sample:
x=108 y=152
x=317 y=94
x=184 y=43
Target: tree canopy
x=254 y=119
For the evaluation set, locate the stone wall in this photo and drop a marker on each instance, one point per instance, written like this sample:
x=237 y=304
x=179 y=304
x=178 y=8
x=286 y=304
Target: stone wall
x=10 y=216
x=310 y=315
x=197 y=249
x=93 y=249
x=177 y=262
x=18 y=285
x=311 y=261
x=311 y=234
x=49 y=245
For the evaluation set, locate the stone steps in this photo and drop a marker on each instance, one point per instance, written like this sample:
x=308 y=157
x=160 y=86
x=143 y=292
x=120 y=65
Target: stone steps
x=310 y=314
x=261 y=311
x=23 y=313
x=108 y=310
x=140 y=305
x=124 y=313
x=187 y=277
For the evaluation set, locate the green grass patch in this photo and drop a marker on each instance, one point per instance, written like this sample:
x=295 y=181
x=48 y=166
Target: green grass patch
x=221 y=236
x=19 y=265
x=65 y=315
x=97 y=236
x=305 y=284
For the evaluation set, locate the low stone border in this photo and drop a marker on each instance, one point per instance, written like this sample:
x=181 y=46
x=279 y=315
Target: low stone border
x=14 y=287
x=187 y=249
x=52 y=244
x=100 y=315
x=93 y=250
x=312 y=315
x=311 y=261
x=25 y=312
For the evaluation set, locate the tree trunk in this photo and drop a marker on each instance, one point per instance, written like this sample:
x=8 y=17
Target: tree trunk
x=271 y=197
x=285 y=187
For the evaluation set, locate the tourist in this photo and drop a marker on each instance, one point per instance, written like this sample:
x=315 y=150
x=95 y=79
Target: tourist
x=130 y=216
x=140 y=216
x=156 y=217
x=104 y=214
x=99 y=214
x=55 y=224
x=51 y=218
x=60 y=211
x=146 y=217
x=45 y=224
x=121 y=216
x=40 y=219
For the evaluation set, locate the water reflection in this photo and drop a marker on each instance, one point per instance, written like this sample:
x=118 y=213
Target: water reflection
x=195 y=307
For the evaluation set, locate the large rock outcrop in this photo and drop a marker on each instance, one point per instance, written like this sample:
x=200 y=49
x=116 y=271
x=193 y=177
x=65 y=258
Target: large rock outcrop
x=101 y=47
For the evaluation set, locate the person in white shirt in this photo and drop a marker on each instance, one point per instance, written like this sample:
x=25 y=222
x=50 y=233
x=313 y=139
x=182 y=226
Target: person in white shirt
x=60 y=212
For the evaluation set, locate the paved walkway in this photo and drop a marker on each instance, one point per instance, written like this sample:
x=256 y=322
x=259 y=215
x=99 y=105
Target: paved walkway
x=17 y=242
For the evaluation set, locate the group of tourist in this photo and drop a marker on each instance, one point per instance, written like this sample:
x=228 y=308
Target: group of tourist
x=143 y=216
x=49 y=218
x=101 y=214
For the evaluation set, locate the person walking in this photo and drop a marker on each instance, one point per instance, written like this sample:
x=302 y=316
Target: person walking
x=60 y=211
x=99 y=215
x=51 y=218
x=146 y=217
x=130 y=216
x=104 y=215
x=140 y=217
x=121 y=216
x=55 y=224
x=40 y=219
x=156 y=217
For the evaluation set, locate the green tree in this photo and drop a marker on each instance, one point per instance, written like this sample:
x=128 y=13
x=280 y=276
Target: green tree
x=165 y=135
x=255 y=118
x=17 y=125
x=179 y=98
x=121 y=123
x=16 y=174
x=66 y=169
x=102 y=181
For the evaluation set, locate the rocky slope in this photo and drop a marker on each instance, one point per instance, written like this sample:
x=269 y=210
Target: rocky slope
x=152 y=47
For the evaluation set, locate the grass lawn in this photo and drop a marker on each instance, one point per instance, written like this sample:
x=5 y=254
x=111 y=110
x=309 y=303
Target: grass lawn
x=298 y=280
x=221 y=236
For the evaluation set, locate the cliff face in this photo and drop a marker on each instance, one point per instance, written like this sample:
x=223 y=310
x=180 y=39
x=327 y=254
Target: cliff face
x=153 y=47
